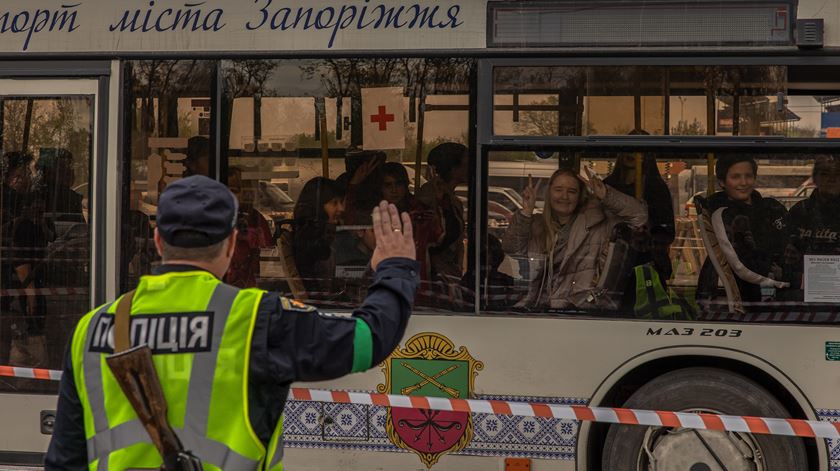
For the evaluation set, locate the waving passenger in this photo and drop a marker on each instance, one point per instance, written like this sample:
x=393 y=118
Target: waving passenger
x=655 y=193
x=427 y=225
x=571 y=234
x=756 y=227
x=363 y=177
x=450 y=165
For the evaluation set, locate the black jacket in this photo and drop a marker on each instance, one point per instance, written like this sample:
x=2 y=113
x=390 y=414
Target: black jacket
x=312 y=245
x=758 y=233
x=661 y=228
x=815 y=225
x=287 y=346
x=659 y=202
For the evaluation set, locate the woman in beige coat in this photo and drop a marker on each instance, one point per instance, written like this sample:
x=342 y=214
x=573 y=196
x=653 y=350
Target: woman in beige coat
x=571 y=236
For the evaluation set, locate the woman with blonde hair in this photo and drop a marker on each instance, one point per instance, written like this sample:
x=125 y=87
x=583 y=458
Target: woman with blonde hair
x=571 y=236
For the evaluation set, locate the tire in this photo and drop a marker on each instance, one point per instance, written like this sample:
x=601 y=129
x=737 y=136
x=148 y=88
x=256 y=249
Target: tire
x=703 y=389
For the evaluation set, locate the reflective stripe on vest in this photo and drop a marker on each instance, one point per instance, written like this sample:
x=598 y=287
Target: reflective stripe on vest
x=275 y=446
x=106 y=439
x=651 y=298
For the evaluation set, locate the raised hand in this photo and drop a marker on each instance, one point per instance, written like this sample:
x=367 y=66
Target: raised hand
x=363 y=171
x=394 y=234
x=529 y=195
x=595 y=185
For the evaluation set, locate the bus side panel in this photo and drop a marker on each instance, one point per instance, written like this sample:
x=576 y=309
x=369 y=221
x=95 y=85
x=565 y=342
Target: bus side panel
x=25 y=412
x=566 y=361
x=829 y=11
x=317 y=460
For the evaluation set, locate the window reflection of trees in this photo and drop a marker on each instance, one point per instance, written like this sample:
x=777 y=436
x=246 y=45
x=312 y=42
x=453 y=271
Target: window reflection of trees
x=154 y=90
x=560 y=101
x=338 y=84
x=157 y=85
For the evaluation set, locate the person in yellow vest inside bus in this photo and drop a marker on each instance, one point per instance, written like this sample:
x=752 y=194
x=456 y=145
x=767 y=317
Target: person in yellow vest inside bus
x=225 y=356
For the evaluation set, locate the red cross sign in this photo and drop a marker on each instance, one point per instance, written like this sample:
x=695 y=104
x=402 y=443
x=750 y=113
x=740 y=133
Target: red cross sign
x=382 y=118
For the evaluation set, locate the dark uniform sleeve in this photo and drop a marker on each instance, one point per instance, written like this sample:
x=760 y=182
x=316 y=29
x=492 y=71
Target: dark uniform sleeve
x=295 y=342
x=68 y=448
x=305 y=344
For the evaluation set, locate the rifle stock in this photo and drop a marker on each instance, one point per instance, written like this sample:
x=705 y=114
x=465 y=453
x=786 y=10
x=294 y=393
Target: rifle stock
x=136 y=375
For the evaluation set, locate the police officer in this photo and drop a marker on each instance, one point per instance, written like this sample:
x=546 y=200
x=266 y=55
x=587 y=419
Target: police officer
x=225 y=357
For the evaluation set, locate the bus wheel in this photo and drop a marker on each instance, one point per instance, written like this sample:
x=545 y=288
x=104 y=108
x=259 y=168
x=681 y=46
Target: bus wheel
x=635 y=448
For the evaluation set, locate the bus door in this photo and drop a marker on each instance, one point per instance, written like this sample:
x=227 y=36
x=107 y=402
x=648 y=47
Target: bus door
x=49 y=143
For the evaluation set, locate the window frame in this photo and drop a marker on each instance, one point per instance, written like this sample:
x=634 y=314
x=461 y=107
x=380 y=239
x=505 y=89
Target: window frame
x=489 y=142
x=486 y=89
x=224 y=99
x=774 y=151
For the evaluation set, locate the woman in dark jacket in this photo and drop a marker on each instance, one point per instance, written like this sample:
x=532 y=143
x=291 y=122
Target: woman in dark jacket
x=656 y=194
x=317 y=212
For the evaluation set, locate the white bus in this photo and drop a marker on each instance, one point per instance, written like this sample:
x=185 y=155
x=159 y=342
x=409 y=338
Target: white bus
x=104 y=103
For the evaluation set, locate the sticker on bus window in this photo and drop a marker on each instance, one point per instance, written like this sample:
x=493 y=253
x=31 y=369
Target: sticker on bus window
x=832 y=351
x=822 y=278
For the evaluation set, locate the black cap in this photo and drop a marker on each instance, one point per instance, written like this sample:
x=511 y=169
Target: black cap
x=196 y=212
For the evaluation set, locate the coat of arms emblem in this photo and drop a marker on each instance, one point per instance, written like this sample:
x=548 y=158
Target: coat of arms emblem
x=429 y=365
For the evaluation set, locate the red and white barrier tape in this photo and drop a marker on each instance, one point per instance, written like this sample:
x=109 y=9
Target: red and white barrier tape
x=32 y=373
x=612 y=415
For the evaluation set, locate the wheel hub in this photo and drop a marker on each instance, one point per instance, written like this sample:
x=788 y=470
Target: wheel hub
x=697 y=450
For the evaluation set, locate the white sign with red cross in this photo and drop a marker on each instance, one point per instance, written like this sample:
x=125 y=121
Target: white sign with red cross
x=384 y=119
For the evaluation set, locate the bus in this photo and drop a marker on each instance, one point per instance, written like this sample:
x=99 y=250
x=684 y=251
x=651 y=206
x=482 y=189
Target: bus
x=103 y=103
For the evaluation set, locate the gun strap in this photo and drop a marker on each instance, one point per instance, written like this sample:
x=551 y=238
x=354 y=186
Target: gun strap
x=122 y=323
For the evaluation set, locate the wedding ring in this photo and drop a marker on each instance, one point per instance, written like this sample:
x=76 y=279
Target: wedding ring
x=396 y=229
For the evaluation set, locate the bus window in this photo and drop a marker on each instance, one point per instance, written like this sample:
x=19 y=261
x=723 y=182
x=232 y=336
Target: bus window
x=310 y=146
x=45 y=231
x=787 y=101
x=169 y=135
x=735 y=253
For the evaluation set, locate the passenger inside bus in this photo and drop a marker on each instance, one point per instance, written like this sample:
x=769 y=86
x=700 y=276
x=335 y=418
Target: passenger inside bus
x=427 y=225
x=25 y=238
x=654 y=243
x=498 y=287
x=57 y=177
x=364 y=176
x=353 y=251
x=815 y=222
x=317 y=213
x=198 y=156
x=756 y=228
x=569 y=238
x=449 y=167
x=254 y=233
x=15 y=184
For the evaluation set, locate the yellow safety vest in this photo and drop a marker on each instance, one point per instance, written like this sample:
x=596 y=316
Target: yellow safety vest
x=200 y=332
x=653 y=302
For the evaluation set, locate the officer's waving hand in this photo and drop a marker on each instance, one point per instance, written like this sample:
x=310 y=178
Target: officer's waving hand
x=242 y=348
x=394 y=234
